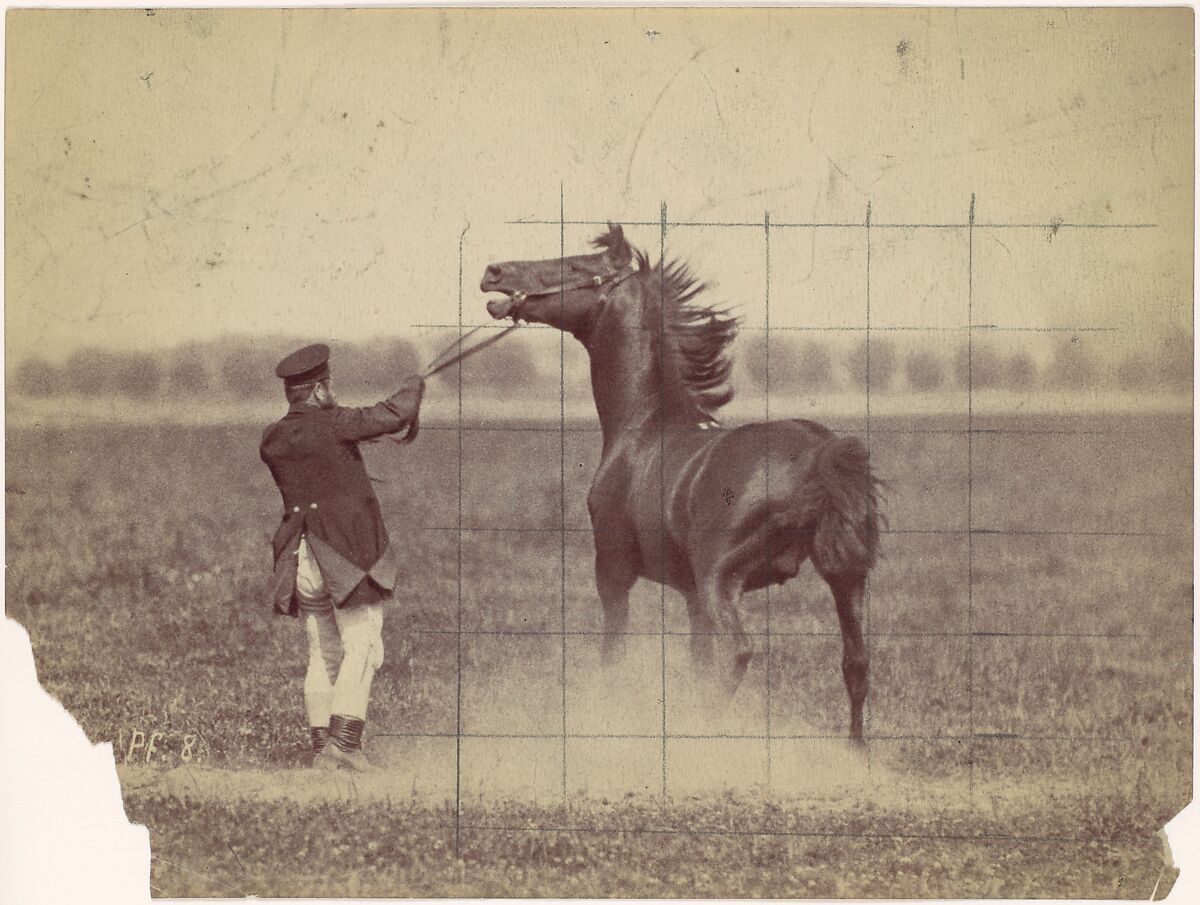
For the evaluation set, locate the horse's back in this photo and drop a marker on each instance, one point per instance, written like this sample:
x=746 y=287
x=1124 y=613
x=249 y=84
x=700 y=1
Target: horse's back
x=694 y=491
x=770 y=482
x=757 y=461
x=694 y=475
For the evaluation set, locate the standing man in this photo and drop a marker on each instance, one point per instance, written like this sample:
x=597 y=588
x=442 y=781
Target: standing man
x=334 y=563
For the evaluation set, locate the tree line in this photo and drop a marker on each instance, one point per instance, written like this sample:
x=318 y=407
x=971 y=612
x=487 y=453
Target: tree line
x=242 y=369
x=931 y=365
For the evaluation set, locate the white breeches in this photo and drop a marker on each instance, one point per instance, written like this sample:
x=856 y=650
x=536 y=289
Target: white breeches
x=345 y=648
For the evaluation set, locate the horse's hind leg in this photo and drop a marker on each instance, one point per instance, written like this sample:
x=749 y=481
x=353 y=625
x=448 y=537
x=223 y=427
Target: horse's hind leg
x=721 y=649
x=848 y=597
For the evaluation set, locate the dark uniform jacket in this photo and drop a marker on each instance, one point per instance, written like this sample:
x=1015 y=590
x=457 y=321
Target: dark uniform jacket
x=313 y=455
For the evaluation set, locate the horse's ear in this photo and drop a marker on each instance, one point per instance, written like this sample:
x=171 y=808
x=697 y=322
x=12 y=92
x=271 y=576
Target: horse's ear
x=616 y=246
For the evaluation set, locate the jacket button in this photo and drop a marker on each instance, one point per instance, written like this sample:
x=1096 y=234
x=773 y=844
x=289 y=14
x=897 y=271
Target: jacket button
x=312 y=505
x=295 y=509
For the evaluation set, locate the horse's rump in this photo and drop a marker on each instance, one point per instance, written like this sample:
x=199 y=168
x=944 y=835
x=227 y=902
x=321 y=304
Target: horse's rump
x=841 y=496
x=823 y=504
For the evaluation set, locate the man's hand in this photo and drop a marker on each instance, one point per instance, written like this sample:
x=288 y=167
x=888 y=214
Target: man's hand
x=415 y=385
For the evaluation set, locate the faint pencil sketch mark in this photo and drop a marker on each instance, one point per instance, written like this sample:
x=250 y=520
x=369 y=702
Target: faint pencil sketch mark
x=145 y=79
x=82 y=196
x=110 y=236
x=161 y=860
x=812 y=136
x=713 y=92
x=192 y=777
x=902 y=49
x=241 y=182
x=711 y=203
x=650 y=115
x=368 y=265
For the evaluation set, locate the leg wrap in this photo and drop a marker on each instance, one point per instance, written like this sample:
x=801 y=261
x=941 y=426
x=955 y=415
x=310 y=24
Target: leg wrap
x=320 y=737
x=346 y=732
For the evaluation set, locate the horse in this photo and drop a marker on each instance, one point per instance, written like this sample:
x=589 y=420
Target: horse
x=679 y=498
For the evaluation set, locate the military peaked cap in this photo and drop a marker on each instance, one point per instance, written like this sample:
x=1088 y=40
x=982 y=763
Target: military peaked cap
x=304 y=365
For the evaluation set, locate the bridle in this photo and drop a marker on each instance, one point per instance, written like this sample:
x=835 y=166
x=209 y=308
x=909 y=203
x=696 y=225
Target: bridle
x=457 y=351
x=603 y=282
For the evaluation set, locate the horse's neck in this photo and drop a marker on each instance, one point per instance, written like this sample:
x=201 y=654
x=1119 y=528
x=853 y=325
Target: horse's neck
x=623 y=384
x=626 y=384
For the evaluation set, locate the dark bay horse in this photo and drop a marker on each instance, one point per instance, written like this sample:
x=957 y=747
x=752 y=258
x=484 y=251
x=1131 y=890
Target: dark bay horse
x=678 y=499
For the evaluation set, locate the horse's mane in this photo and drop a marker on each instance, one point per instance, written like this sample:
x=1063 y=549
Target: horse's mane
x=697 y=338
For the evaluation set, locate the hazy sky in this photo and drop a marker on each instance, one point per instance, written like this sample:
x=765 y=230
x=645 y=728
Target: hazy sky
x=181 y=175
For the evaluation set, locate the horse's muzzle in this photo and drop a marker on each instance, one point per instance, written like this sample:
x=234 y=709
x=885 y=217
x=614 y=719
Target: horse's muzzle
x=501 y=308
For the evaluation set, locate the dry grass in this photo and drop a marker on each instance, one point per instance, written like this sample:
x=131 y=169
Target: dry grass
x=136 y=561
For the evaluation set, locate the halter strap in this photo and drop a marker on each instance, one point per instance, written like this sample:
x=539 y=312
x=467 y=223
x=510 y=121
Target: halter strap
x=605 y=282
x=440 y=363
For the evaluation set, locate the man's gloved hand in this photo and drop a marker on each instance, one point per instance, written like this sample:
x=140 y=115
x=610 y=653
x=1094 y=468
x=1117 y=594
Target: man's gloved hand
x=415 y=384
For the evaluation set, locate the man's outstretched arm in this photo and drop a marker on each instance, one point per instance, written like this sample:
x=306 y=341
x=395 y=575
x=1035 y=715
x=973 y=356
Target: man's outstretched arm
x=387 y=417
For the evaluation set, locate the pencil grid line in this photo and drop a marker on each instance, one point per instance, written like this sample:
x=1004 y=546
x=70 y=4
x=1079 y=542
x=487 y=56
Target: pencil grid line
x=662 y=467
x=1053 y=225
x=868 y=709
x=778 y=737
x=971 y=486
x=885 y=835
x=459 y=573
x=990 y=532
x=877 y=835
x=834 y=426
x=880 y=835
x=562 y=473
x=767 y=399
x=834 y=328
x=777 y=633
x=971 y=737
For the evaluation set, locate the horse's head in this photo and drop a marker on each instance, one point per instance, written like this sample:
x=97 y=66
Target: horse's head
x=567 y=293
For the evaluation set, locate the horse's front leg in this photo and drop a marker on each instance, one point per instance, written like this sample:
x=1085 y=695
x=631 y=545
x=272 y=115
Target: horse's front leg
x=616 y=571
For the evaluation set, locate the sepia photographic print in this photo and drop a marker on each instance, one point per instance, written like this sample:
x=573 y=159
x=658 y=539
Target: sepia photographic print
x=628 y=452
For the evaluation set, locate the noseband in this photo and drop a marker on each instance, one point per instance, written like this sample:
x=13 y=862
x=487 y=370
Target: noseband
x=603 y=282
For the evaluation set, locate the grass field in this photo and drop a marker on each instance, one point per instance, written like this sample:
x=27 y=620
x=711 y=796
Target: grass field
x=1030 y=713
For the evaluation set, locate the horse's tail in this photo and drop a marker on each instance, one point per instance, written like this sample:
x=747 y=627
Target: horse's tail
x=840 y=498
